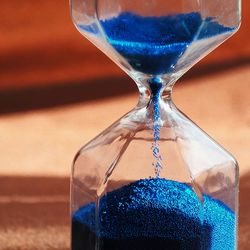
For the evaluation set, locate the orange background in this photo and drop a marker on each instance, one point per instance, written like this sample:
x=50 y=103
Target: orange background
x=54 y=89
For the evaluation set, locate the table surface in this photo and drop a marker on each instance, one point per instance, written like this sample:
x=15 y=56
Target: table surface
x=41 y=143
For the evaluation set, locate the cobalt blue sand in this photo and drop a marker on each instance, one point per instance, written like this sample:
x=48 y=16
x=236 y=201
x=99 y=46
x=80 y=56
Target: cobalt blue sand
x=155 y=214
x=155 y=86
x=153 y=45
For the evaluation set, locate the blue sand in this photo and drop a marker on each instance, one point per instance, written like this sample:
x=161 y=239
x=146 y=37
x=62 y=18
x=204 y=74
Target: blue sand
x=155 y=86
x=155 y=214
x=153 y=45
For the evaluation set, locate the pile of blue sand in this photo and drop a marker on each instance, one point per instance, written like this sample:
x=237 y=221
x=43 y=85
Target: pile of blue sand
x=154 y=214
x=153 y=45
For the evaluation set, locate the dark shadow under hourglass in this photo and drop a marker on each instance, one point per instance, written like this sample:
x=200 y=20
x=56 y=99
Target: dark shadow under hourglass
x=54 y=95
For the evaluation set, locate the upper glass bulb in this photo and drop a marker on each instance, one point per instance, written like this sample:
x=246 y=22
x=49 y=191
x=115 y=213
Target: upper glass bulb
x=156 y=38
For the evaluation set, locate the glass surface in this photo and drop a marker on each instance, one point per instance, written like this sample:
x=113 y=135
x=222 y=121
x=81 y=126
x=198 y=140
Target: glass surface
x=154 y=179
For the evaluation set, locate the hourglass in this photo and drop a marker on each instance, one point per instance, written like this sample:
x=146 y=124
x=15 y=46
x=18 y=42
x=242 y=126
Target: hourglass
x=154 y=180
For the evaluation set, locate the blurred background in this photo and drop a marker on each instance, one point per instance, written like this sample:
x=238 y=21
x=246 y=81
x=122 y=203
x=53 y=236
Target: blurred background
x=57 y=91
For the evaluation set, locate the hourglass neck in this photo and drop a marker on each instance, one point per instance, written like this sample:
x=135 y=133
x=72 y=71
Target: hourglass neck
x=154 y=89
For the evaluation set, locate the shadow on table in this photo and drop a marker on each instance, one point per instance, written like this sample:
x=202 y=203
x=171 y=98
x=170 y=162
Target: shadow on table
x=39 y=97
